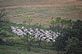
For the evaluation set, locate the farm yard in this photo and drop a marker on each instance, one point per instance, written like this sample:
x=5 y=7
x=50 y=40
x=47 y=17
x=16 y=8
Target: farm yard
x=40 y=27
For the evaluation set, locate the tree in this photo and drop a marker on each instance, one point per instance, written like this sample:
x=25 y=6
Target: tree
x=70 y=30
x=54 y=23
x=77 y=26
x=72 y=44
x=61 y=43
x=58 y=24
x=75 y=38
x=3 y=15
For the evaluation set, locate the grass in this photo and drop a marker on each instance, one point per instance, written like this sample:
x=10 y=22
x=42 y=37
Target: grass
x=21 y=2
x=42 y=15
x=4 y=49
x=17 y=45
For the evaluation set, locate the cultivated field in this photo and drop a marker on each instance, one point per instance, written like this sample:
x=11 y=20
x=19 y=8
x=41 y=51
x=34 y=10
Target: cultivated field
x=41 y=10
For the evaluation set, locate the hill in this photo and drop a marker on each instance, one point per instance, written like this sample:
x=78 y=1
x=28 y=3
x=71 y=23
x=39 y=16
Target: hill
x=41 y=10
x=33 y=2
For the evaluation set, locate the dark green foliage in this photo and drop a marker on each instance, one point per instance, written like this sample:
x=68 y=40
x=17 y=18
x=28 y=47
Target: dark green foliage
x=59 y=24
x=71 y=34
x=76 y=38
x=2 y=15
x=72 y=45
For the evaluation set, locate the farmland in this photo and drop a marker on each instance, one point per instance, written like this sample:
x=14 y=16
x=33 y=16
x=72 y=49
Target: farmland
x=41 y=11
x=40 y=27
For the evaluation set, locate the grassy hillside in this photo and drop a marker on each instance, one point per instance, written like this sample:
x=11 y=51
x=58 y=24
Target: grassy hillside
x=43 y=14
x=41 y=10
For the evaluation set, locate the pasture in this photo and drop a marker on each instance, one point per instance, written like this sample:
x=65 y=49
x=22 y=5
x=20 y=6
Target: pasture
x=41 y=11
x=42 y=15
x=15 y=44
x=40 y=26
x=22 y=49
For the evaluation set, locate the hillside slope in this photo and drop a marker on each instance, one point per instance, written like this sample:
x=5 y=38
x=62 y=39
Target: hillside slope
x=33 y=2
x=18 y=10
